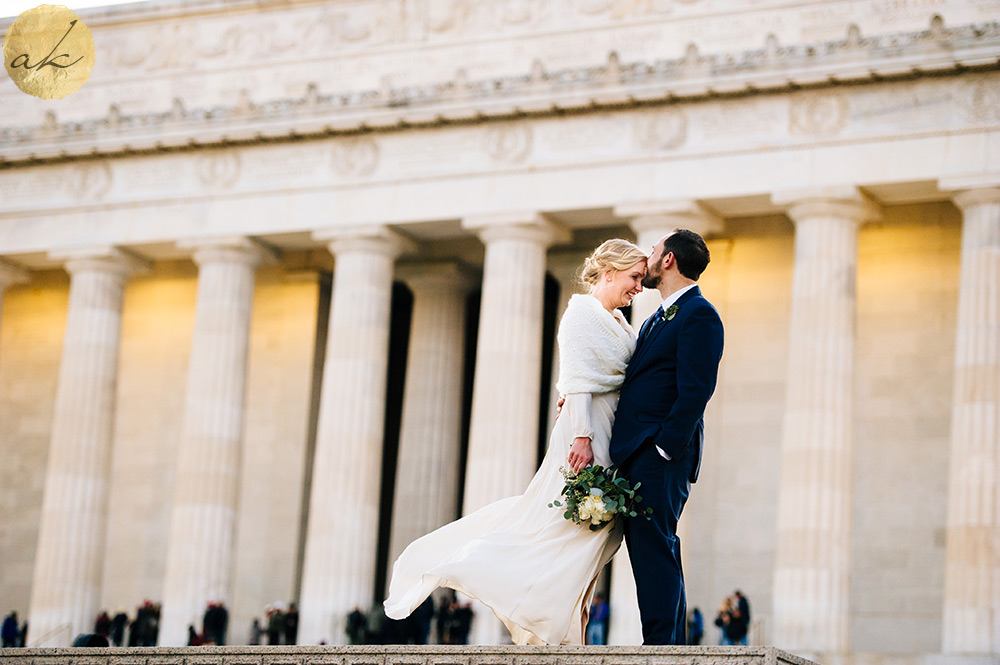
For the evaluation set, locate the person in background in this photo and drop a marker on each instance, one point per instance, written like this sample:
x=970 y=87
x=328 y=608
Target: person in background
x=292 y=624
x=118 y=629
x=194 y=639
x=696 y=626
x=102 y=626
x=422 y=617
x=255 y=631
x=275 y=624
x=444 y=616
x=461 y=623
x=90 y=640
x=723 y=619
x=9 y=633
x=732 y=622
x=598 y=623
x=357 y=625
x=743 y=605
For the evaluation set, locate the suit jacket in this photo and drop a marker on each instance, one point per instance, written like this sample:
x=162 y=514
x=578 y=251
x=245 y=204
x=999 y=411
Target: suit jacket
x=668 y=382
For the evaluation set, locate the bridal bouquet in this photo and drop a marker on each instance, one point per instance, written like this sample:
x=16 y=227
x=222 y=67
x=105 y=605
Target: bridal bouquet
x=596 y=495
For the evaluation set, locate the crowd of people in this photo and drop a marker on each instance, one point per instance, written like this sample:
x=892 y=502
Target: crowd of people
x=214 y=624
x=119 y=630
x=280 y=625
x=733 y=619
x=447 y=619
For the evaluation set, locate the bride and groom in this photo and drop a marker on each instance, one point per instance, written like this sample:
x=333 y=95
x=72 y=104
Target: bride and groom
x=636 y=401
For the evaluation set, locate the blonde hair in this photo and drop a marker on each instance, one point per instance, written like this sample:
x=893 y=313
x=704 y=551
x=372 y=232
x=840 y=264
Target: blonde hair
x=615 y=254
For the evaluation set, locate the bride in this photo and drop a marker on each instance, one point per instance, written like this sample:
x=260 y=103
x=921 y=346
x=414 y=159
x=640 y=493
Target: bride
x=535 y=569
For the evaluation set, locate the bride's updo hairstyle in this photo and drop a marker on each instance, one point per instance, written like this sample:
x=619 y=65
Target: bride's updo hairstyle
x=615 y=254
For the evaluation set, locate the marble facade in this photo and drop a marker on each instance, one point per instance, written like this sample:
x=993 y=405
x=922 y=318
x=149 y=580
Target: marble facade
x=198 y=253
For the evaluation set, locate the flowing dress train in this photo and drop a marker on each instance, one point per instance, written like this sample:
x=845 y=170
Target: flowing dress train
x=532 y=567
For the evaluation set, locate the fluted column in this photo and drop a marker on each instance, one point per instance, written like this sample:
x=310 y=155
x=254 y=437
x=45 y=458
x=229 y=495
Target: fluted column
x=503 y=437
x=430 y=436
x=812 y=567
x=972 y=574
x=650 y=221
x=342 y=535
x=69 y=561
x=206 y=482
x=10 y=275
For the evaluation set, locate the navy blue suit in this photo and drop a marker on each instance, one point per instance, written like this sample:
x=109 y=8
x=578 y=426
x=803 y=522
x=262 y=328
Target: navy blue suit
x=669 y=380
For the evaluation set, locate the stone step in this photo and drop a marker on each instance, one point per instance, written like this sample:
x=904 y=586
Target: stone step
x=404 y=655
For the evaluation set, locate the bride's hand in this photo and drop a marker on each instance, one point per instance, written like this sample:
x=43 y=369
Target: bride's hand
x=580 y=455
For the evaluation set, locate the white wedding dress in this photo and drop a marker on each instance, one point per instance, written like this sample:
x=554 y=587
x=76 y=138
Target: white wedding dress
x=532 y=567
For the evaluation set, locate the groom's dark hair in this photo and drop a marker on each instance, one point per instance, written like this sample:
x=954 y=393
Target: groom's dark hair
x=690 y=252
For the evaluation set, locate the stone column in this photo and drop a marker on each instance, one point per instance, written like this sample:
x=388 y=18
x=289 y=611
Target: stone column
x=504 y=428
x=503 y=433
x=972 y=574
x=206 y=482
x=431 y=432
x=650 y=221
x=69 y=561
x=812 y=566
x=342 y=535
x=10 y=274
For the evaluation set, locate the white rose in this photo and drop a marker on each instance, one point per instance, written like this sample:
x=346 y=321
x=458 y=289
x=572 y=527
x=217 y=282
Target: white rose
x=593 y=509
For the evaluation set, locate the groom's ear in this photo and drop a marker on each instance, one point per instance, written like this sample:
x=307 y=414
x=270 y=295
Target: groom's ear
x=668 y=260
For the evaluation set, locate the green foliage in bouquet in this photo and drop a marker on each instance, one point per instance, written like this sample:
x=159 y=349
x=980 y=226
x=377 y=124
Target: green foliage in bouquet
x=595 y=495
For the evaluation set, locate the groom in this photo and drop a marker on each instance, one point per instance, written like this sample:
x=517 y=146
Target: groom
x=659 y=425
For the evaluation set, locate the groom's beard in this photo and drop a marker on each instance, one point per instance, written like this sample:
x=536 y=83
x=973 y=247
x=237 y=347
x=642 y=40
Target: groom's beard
x=651 y=281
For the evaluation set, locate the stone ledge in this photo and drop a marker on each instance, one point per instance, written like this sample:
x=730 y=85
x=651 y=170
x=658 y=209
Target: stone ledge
x=404 y=655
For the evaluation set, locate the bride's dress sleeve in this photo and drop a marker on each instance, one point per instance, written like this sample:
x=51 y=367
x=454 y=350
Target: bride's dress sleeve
x=578 y=407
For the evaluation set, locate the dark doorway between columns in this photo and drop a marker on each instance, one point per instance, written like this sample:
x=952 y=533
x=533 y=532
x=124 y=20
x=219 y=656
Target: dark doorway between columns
x=471 y=342
x=399 y=344
x=549 y=328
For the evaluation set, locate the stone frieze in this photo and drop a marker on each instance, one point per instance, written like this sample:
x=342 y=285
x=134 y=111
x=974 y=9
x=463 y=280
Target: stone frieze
x=537 y=91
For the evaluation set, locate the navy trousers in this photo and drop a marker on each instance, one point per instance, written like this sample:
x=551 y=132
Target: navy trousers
x=653 y=545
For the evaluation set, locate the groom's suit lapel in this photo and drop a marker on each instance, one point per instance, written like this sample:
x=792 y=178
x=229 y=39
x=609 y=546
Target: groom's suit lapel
x=645 y=343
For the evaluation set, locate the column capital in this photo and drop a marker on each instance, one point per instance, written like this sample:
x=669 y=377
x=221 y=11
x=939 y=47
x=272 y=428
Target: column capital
x=518 y=225
x=102 y=258
x=982 y=181
x=11 y=273
x=966 y=198
x=668 y=214
x=377 y=239
x=845 y=202
x=229 y=249
x=453 y=276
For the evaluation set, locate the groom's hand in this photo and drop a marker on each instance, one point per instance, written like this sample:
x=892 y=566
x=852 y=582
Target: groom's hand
x=562 y=400
x=580 y=455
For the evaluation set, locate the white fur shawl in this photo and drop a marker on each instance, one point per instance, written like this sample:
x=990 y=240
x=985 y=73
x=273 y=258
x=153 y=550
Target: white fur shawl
x=594 y=348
